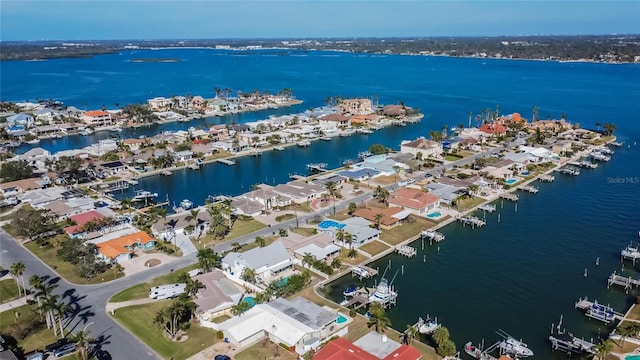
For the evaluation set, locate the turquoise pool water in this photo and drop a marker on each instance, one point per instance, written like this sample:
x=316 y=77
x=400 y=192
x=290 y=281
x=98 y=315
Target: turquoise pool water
x=250 y=300
x=330 y=223
x=511 y=181
x=434 y=214
x=632 y=357
x=341 y=319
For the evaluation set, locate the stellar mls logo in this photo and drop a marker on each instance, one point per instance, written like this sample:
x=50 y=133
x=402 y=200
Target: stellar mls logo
x=623 y=180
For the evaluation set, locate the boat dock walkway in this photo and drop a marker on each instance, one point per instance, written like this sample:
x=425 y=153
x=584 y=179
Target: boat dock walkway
x=509 y=196
x=626 y=282
x=528 y=188
x=487 y=207
x=473 y=221
x=569 y=171
x=317 y=167
x=226 y=161
x=363 y=272
x=432 y=235
x=406 y=250
x=546 y=178
x=586 y=304
x=630 y=253
x=357 y=302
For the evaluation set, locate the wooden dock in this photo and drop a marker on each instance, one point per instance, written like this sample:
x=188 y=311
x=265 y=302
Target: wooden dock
x=473 y=221
x=626 y=282
x=546 y=178
x=528 y=188
x=586 y=304
x=406 y=250
x=226 y=161
x=509 y=196
x=432 y=235
x=357 y=302
x=363 y=272
x=487 y=207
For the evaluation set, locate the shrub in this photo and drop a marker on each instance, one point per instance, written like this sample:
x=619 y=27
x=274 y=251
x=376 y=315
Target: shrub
x=220 y=335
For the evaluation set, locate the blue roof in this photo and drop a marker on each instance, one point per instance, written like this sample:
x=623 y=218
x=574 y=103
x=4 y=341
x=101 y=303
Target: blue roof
x=359 y=173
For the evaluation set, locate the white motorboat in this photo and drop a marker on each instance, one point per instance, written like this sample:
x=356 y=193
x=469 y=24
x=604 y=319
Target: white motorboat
x=514 y=347
x=352 y=290
x=384 y=293
x=361 y=272
x=428 y=326
x=143 y=195
x=303 y=143
x=186 y=204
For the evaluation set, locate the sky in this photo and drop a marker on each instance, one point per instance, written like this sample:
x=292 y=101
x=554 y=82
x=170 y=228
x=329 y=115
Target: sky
x=210 y=19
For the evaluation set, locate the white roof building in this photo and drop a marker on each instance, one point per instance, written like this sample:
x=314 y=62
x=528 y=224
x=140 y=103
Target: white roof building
x=266 y=261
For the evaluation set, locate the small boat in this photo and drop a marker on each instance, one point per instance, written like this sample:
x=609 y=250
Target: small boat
x=186 y=204
x=360 y=271
x=303 y=143
x=116 y=129
x=352 y=290
x=514 y=347
x=427 y=326
x=364 y=154
x=143 y=195
x=34 y=141
x=384 y=292
x=601 y=312
x=166 y=172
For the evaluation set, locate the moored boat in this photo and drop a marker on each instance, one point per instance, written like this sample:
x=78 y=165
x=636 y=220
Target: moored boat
x=351 y=290
x=514 y=347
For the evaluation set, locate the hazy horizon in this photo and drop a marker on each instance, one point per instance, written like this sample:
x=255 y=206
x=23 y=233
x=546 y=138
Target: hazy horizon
x=98 y=20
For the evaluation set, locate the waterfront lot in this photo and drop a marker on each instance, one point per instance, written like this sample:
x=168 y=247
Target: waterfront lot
x=8 y=290
x=405 y=231
x=141 y=291
x=139 y=320
x=240 y=228
x=374 y=248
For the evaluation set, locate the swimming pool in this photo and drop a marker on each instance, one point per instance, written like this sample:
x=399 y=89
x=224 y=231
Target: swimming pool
x=511 y=181
x=434 y=214
x=325 y=224
x=341 y=319
x=632 y=357
x=249 y=300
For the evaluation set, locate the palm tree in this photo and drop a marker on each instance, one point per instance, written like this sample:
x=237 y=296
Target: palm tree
x=82 y=339
x=340 y=235
x=378 y=320
x=249 y=275
x=378 y=218
x=440 y=335
x=193 y=286
x=410 y=334
x=48 y=305
x=227 y=211
x=348 y=238
x=336 y=263
x=193 y=216
x=308 y=259
x=333 y=191
x=235 y=246
x=17 y=270
x=60 y=308
x=397 y=169
x=603 y=349
x=625 y=332
x=352 y=208
x=261 y=241
x=207 y=259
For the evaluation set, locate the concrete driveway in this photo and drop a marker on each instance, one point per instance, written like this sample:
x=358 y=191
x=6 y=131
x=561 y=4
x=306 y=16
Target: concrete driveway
x=138 y=263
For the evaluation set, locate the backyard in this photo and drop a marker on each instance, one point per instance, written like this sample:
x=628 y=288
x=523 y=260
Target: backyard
x=374 y=248
x=240 y=228
x=405 y=231
x=141 y=291
x=8 y=290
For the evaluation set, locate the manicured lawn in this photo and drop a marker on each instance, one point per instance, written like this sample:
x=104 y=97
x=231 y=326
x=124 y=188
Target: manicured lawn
x=65 y=269
x=268 y=241
x=243 y=227
x=374 y=248
x=304 y=231
x=452 y=157
x=351 y=261
x=221 y=318
x=36 y=340
x=8 y=290
x=468 y=203
x=340 y=215
x=139 y=320
x=265 y=350
x=405 y=231
x=284 y=217
x=634 y=313
x=141 y=291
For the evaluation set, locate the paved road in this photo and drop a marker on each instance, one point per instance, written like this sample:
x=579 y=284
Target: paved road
x=87 y=303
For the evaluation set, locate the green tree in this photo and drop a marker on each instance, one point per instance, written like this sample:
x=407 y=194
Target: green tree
x=240 y=308
x=308 y=259
x=17 y=270
x=261 y=241
x=175 y=317
x=440 y=335
x=336 y=263
x=334 y=192
x=82 y=339
x=283 y=232
x=603 y=349
x=249 y=275
x=352 y=208
x=410 y=334
x=235 y=246
x=378 y=149
x=608 y=129
x=378 y=320
x=378 y=218
x=435 y=136
x=448 y=348
x=15 y=170
x=207 y=259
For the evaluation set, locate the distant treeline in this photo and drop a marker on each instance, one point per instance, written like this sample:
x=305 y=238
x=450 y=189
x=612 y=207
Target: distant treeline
x=601 y=48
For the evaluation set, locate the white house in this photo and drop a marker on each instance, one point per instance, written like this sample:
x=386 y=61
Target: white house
x=298 y=323
x=267 y=262
x=22 y=119
x=97 y=118
x=421 y=145
x=218 y=294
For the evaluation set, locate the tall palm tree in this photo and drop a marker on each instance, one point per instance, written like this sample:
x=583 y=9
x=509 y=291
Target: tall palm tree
x=378 y=319
x=261 y=241
x=410 y=334
x=193 y=216
x=340 y=235
x=207 y=259
x=308 y=259
x=348 y=238
x=17 y=270
x=82 y=339
x=249 y=275
x=603 y=349
x=60 y=308
x=48 y=305
x=333 y=191
x=378 y=218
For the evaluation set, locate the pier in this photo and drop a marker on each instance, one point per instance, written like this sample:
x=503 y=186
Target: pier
x=432 y=235
x=509 y=196
x=583 y=163
x=528 y=188
x=357 y=302
x=487 y=207
x=546 y=178
x=473 y=221
x=626 y=282
x=115 y=186
x=570 y=171
x=597 y=311
x=599 y=157
x=226 y=161
x=317 y=167
x=406 y=250
x=630 y=253
x=363 y=272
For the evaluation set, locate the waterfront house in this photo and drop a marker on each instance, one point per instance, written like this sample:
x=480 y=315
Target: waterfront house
x=446 y=193
x=135 y=144
x=218 y=294
x=321 y=246
x=561 y=147
x=372 y=347
x=80 y=220
x=267 y=262
x=336 y=120
x=111 y=168
x=493 y=128
x=358 y=227
x=176 y=223
x=360 y=174
x=37 y=157
x=23 y=120
x=427 y=148
x=46 y=114
x=219 y=132
x=121 y=249
x=182 y=156
x=168 y=116
x=414 y=200
x=540 y=153
x=298 y=324
x=266 y=196
x=158 y=103
x=551 y=126
x=244 y=206
x=394 y=111
x=102 y=147
x=383 y=164
x=13 y=188
x=391 y=216
x=299 y=191
x=360 y=106
x=97 y=118
x=204 y=150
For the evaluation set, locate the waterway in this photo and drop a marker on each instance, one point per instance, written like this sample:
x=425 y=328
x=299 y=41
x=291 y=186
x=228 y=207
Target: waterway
x=519 y=275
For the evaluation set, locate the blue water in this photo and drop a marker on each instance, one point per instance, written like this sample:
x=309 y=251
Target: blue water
x=341 y=319
x=434 y=214
x=511 y=181
x=325 y=224
x=519 y=274
x=249 y=300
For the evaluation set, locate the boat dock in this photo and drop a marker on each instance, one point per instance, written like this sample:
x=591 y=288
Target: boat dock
x=432 y=235
x=317 y=167
x=487 y=207
x=587 y=305
x=546 y=178
x=165 y=173
x=363 y=272
x=630 y=253
x=570 y=171
x=357 y=302
x=115 y=186
x=509 y=196
x=473 y=221
x=279 y=148
x=406 y=250
x=583 y=163
x=296 y=177
x=626 y=282
x=226 y=161
x=528 y=188
x=599 y=157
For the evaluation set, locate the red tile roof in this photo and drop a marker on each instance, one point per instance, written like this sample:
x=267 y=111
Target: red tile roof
x=404 y=352
x=115 y=247
x=96 y=113
x=82 y=219
x=412 y=198
x=342 y=349
x=387 y=219
x=491 y=128
x=334 y=117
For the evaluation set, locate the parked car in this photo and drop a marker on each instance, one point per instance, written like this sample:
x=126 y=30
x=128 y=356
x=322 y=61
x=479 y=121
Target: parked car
x=222 y=357
x=58 y=344
x=64 y=350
